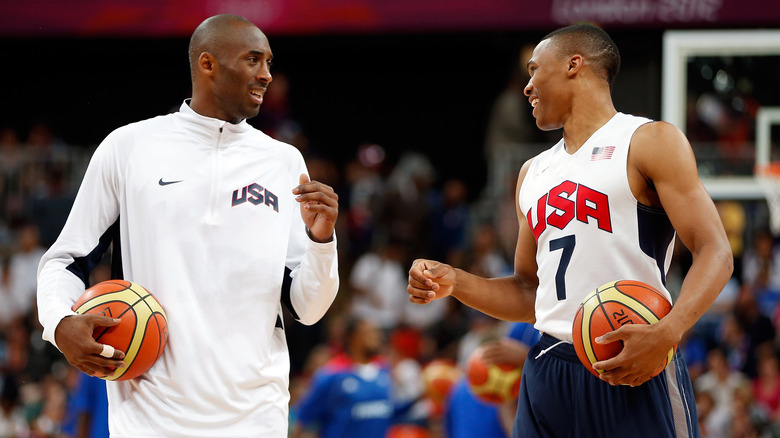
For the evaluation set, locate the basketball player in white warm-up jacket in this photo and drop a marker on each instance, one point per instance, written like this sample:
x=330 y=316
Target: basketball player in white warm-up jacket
x=601 y=205
x=221 y=223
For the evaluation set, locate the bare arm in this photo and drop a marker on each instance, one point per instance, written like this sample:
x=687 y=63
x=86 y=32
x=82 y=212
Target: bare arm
x=662 y=172
x=508 y=298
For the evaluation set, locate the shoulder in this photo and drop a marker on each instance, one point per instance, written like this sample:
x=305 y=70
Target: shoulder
x=658 y=142
x=287 y=150
x=659 y=135
x=652 y=129
x=117 y=146
x=141 y=128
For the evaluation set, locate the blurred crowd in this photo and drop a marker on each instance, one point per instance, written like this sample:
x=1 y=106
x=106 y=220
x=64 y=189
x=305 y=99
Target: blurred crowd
x=392 y=211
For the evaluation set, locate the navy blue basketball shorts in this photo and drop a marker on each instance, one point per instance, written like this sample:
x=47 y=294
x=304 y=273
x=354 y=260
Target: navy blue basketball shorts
x=560 y=398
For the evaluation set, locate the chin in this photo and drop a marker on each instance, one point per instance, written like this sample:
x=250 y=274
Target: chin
x=251 y=114
x=548 y=126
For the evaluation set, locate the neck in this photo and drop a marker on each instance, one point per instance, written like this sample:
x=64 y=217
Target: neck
x=587 y=116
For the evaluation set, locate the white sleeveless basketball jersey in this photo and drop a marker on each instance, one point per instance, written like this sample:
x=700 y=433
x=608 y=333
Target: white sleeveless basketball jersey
x=588 y=226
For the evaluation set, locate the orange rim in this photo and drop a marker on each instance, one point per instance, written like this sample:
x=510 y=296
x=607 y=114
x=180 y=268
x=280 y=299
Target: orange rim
x=771 y=170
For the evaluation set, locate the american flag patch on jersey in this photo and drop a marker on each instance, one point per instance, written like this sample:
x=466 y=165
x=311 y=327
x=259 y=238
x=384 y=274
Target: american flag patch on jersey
x=602 y=153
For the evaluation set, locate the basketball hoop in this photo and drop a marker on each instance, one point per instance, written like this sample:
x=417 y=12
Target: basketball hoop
x=768 y=177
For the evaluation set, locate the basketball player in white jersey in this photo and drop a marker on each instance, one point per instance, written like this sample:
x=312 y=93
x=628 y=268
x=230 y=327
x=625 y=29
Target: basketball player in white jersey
x=221 y=222
x=603 y=204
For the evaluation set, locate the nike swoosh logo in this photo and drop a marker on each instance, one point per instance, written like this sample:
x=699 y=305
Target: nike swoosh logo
x=165 y=183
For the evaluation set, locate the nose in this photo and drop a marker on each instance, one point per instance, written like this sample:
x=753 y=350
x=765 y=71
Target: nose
x=528 y=88
x=264 y=74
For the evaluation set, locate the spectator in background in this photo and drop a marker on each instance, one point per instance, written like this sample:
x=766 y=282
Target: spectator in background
x=406 y=352
x=720 y=381
x=749 y=420
x=707 y=326
x=87 y=409
x=761 y=272
x=406 y=209
x=7 y=310
x=12 y=417
x=423 y=319
x=52 y=407
x=766 y=385
x=11 y=164
x=693 y=348
x=757 y=327
x=482 y=329
x=51 y=204
x=46 y=167
x=450 y=223
x=23 y=267
x=378 y=281
x=705 y=405
x=734 y=342
x=449 y=333
x=351 y=395
x=510 y=129
x=43 y=146
x=469 y=417
x=485 y=257
x=16 y=350
x=365 y=187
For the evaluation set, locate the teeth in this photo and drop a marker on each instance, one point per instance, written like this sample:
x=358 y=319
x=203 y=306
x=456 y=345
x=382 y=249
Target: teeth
x=535 y=102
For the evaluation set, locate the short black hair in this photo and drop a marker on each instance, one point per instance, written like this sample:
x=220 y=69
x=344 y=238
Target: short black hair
x=592 y=43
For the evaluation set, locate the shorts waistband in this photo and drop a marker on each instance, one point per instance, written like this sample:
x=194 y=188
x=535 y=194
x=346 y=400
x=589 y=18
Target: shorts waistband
x=564 y=350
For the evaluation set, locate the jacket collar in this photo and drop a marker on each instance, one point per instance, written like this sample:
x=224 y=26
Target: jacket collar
x=210 y=129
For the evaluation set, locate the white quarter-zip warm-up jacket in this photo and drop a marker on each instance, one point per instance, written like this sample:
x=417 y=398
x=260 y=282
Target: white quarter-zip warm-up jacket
x=204 y=218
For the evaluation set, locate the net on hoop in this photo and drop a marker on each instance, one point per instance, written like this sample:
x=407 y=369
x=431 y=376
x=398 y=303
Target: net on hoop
x=768 y=177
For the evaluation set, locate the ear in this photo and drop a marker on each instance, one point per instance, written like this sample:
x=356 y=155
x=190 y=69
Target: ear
x=576 y=62
x=207 y=64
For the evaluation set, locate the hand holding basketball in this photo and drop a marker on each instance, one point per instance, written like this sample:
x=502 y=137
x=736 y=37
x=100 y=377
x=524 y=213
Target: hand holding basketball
x=74 y=338
x=137 y=327
x=645 y=348
x=430 y=280
x=620 y=335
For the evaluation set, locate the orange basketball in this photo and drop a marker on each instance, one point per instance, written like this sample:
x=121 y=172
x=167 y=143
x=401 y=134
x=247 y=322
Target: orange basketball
x=142 y=332
x=407 y=431
x=439 y=377
x=608 y=308
x=493 y=383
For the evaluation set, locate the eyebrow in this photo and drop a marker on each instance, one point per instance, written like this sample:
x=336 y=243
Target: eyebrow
x=260 y=52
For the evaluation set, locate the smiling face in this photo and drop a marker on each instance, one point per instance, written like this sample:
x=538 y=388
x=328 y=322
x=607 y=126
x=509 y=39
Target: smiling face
x=547 y=90
x=230 y=61
x=242 y=73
